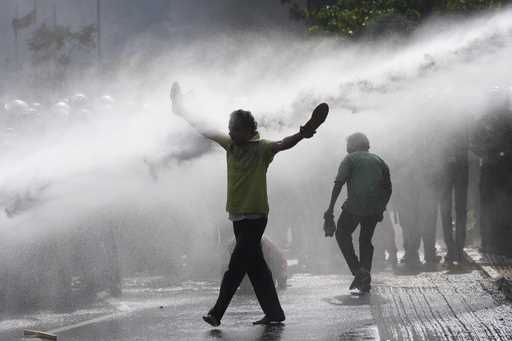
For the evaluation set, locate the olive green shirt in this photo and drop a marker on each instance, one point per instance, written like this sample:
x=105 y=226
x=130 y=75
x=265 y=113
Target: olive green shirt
x=247 y=175
x=368 y=183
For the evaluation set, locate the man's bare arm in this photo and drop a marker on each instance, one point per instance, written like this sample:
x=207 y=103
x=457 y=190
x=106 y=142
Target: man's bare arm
x=306 y=131
x=287 y=143
x=179 y=109
x=336 y=190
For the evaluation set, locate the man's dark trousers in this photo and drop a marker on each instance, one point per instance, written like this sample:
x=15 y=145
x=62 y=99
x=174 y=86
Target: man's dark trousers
x=247 y=258
x=347 y=223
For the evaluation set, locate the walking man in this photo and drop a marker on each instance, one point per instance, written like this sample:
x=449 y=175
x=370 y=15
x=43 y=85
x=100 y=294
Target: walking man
x=369 y=189
x=248 y=158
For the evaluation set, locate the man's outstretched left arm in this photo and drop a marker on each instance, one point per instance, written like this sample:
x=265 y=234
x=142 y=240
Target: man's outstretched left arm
x=287 y=143
x=306 y=131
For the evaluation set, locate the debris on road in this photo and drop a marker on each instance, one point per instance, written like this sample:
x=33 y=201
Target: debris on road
x=39 y=334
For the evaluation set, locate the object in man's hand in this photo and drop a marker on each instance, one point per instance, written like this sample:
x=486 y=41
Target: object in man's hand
x=317 y=118
x=329 y=225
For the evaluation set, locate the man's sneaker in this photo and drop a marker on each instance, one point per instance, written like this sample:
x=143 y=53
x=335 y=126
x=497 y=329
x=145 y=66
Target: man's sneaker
x=267 y=321
x=211 y=320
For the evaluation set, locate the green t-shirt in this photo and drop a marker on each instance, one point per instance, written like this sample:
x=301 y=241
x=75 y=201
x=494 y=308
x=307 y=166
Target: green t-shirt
x=247 y=175
x=368 y=183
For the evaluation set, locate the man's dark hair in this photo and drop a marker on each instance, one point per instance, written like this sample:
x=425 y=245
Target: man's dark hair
x=244 y=119
x=358 y=142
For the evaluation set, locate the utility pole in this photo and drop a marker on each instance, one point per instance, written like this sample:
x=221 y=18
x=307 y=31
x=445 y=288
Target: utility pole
x=98 y=33
x=55 y=57
x=54 y=18
x=16 y=47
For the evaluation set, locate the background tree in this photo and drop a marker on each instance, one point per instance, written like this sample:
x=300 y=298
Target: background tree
x=354 y=18
x=52 y=48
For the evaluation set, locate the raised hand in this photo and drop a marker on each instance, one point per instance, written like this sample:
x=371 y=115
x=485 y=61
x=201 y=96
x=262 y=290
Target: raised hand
x=175 y=91
x=176 y=99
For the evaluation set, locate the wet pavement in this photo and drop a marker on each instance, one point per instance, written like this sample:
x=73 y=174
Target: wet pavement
x=498 y=268
x=317 y=307
x=460 y=304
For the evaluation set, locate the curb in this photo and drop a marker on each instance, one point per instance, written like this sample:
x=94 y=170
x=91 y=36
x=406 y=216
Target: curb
x=497 y=268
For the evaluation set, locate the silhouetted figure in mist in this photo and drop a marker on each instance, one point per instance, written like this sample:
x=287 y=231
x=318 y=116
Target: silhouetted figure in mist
x=416 y=194
x=248 y=158
x=491 y=140
x=455 y=182
x=386 y=243
x=369 y=190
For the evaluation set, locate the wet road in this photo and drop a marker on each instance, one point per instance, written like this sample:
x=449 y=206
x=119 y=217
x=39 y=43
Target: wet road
x=437 y=305
x=317 y=307
x=457 y=305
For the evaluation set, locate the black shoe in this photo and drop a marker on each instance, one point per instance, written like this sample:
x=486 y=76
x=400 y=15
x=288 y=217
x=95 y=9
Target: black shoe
x=448 y=262
x=462 y=260
x=433 y=260
x=354 y=284
x=267 y=321
x=364 y=281
x=363 y=291
x=483 y=249
x=211 y=320
x=412 y=261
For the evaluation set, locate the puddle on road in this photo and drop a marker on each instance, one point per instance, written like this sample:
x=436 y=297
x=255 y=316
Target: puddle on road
x=369 y=333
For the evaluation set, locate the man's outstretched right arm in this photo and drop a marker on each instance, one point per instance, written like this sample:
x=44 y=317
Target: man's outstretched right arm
x=179 y=109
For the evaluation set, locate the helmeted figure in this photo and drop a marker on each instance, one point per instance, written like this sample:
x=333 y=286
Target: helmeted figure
x=417 y=192
x=16 y=112
x=80 y=107
x=61 y=109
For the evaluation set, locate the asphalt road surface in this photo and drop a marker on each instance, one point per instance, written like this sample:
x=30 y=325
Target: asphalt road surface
x=436 y=305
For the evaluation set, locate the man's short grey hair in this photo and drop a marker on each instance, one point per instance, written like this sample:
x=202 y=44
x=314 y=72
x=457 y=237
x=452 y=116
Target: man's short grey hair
x=358 y=142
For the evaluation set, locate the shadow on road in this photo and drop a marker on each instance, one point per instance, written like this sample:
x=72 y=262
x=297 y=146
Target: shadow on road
x=268 y=333
x=461 y=270
x=355 y=300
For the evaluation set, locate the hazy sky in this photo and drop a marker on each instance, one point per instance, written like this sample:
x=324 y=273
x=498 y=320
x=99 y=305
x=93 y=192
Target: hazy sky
x=124 y=19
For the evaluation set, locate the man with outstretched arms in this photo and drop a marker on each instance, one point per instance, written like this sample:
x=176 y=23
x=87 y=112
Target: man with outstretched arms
x=369 y=189
x=248 y=158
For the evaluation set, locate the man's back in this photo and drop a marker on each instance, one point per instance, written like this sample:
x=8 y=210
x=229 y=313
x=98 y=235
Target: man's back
x=368 y=183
